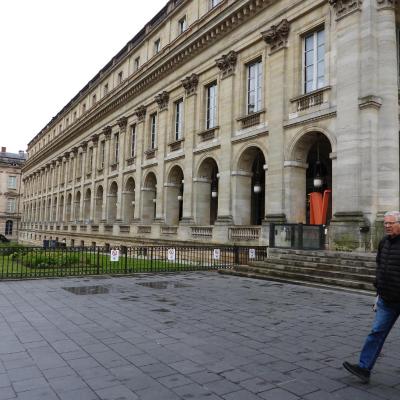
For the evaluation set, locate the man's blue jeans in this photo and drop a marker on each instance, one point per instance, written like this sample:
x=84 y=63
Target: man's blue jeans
x=386 y=316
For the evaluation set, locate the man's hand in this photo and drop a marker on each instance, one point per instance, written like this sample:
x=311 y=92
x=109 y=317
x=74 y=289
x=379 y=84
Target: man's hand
x=375 y=306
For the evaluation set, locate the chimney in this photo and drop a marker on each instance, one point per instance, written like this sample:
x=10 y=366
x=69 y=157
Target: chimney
x=3 y=149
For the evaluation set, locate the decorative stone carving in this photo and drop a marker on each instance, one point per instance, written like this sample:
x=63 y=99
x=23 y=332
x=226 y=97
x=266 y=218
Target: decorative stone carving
x=190 y=84
x=94 y=138
x=140 y=112
x=107 y=132
x=162 y=100
x=386 y=4
x=84 y=146
x=345 y=7
x=277 y=35
x=122 y=123
x=227 y=63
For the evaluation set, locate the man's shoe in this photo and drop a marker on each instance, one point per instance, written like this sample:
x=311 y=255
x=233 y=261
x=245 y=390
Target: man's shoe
x=361 y=373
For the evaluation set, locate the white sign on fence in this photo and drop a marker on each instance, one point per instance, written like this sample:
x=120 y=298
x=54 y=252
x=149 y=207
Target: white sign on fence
x=114 y=255
x=252 y=254
x=171 y=254
x=217 y=254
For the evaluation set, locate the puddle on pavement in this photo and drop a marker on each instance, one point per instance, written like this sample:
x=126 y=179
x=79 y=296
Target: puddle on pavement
x=87 y=290
x=163 y=284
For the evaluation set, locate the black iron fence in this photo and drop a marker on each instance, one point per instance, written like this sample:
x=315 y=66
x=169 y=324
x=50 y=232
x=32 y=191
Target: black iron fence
x=297 y=236
x=43 y=262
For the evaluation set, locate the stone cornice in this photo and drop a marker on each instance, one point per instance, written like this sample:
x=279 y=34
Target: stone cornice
x=277 y=35
x=345 y=7
x=133 y=85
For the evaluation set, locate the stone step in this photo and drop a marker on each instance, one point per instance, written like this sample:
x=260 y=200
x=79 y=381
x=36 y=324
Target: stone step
x=291 y=280
x=301 y=278
x=322 y=259
x=367 y=257
x=323 y=273
x=317 y=266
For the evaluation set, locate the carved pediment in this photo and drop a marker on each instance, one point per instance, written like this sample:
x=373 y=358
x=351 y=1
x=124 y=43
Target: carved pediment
x=277 y=35
x=140 y=112
x=227 y=63
x=190 y=84
x=345 y=7
x=162 y=100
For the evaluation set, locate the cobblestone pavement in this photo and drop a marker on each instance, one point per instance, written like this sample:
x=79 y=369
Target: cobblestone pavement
x=187 y=336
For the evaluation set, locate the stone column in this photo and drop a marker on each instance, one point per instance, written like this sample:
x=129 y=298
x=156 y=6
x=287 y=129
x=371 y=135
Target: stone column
x=122 y=124
x=226 y=65
x=276 y=37
x=162 y=101
x=83 y=177
x=190 y=112
x=140 y=113
x=107 y=135
x=95 y=141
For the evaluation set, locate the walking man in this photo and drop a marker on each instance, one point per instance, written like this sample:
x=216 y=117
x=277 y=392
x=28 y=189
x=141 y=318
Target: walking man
x=387 y=307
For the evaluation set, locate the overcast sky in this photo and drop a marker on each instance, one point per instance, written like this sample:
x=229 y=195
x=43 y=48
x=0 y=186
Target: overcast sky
x=50 y=49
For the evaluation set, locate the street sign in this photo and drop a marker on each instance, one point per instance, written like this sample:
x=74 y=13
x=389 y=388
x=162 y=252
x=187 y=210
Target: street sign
x=171 y=254
x=114 y=255
x=217 y=254
x=252 y=254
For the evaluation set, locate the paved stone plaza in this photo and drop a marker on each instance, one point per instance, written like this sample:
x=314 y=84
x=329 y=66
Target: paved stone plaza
x=187 y=336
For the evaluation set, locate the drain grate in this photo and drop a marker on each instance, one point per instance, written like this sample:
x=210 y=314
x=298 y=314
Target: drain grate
x=87 y=290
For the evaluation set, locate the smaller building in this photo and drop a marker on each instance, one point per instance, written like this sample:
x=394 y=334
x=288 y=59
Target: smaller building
x=10 y=192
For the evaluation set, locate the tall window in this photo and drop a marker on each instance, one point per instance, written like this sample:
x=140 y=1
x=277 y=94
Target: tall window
x=75 y=115
x=314 y=61
x=94 y=99
x=12 y=182
x=182 y=25
x=133 y=141
x=9 y=227
x=211 y=111
x=116 y=147
x=120 y=76
x=90 y=160
x=102 y=153
x=137 y=63
x=67 y=121
x=153 y=131
x=80 y=161
x=105 y=89
x=213 y=3
x=254 y=85
x=178 y=119
x=11 y=205
x=157 y=46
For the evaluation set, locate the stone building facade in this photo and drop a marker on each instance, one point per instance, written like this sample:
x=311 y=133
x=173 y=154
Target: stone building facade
x=216 y=119
x=10 y=192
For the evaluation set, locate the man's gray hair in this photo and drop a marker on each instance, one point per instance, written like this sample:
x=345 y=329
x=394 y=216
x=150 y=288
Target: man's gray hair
x=395 y=214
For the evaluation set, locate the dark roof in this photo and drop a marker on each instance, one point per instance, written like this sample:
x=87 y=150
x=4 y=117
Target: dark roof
x=13 y=158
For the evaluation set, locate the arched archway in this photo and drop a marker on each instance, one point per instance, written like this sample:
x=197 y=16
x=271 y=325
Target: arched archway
x=68 y=208
x=98 y=207
x=308 y=170
x=112 y=198
x=207 y=192
x=86 y=205
x=128 y=200
x=174 y=196
x=9 y=227
x=249 y=201
x=77 y=205
x=61 y=209
x=149 y=203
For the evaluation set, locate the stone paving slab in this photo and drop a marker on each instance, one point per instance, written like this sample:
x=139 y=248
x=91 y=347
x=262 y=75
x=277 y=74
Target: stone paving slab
x=186 y=336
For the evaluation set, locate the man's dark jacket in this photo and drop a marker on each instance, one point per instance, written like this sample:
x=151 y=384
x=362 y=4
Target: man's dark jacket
x=388 y=269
